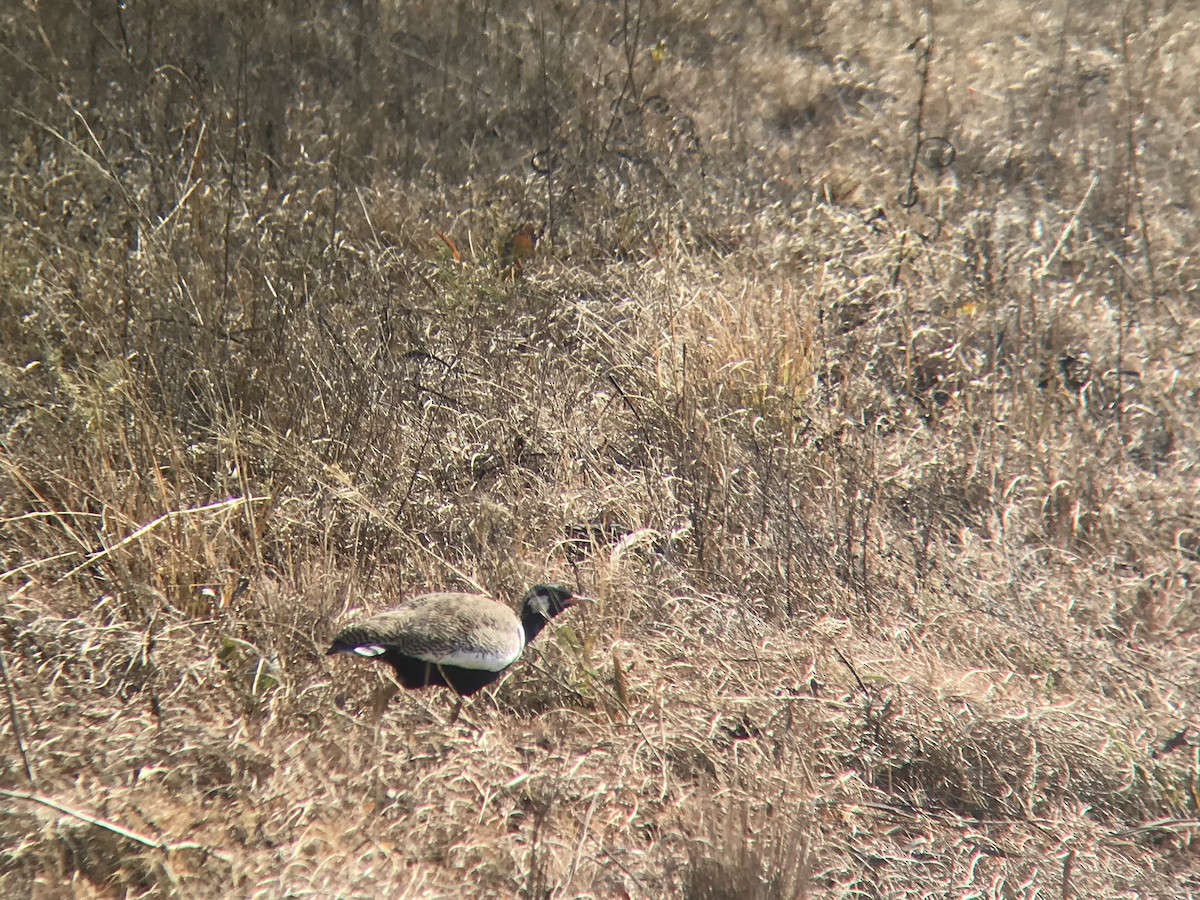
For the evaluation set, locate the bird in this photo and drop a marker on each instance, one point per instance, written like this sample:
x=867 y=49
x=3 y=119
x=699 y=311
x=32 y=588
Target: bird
x=519 y=246
x=460 y=641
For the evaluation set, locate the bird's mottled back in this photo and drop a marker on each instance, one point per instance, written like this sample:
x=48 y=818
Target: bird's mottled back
x=462 y=641
x=468 y=630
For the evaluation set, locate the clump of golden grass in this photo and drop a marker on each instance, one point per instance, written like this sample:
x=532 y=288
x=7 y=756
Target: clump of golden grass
x=854 y=382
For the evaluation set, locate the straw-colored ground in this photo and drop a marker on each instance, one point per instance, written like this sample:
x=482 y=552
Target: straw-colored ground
x=854 y=373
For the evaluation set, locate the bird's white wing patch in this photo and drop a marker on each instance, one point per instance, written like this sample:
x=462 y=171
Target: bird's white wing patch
x=370 y=650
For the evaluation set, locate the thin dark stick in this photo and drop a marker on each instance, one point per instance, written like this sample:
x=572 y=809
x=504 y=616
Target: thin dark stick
x=908 y=198
x=845 y=662
x=628 y=86
x=548 y=131
x=625 y=398
x=16 y=724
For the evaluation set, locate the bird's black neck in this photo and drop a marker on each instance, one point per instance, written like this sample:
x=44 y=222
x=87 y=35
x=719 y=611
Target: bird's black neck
x=532 y=623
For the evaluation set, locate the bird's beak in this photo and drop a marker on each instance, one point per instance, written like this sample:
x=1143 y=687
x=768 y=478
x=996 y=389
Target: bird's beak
x=576 y=599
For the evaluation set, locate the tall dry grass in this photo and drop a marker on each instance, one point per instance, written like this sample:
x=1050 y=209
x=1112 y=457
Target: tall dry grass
x=853 y=374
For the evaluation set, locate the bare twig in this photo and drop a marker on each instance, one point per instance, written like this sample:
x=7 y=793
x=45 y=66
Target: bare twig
x=845 y=662
x=1066 y=232
x=908 y=197
x=1068 y=890
x=1165 y=824
x=16 y=722
x=106 y=824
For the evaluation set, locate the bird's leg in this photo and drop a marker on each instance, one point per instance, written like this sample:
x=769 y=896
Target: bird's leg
x=458 y=703
x=457 y=714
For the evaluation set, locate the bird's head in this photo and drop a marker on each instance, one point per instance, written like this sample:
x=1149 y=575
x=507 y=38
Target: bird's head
x=546 y=601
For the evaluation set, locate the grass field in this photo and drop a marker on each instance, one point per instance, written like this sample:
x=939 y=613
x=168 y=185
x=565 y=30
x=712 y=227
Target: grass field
x=854 y=372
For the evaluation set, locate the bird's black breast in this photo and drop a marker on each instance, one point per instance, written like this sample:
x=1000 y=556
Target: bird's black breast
x=417 y=673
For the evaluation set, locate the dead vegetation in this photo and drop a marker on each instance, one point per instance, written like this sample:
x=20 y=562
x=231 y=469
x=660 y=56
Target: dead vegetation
x=853 y=371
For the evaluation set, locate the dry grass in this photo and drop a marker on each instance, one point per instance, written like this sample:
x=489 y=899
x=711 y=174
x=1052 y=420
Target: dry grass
x=853 y=375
